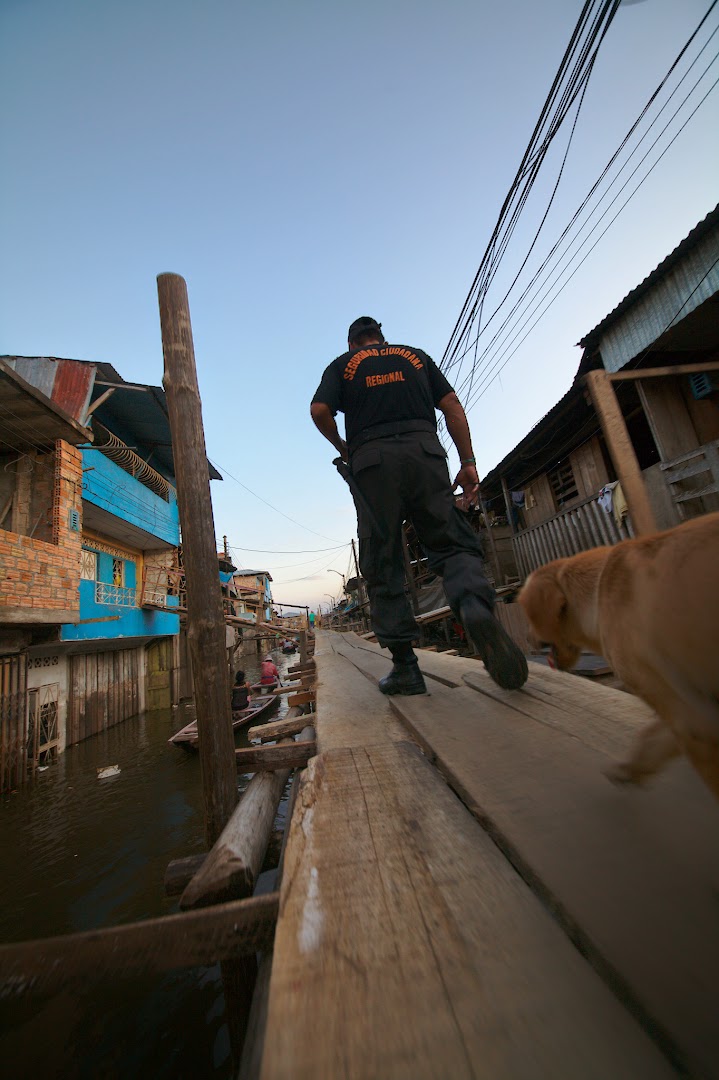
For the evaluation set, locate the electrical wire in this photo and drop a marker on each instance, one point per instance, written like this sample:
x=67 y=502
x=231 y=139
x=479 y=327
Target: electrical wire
x=459 y=344
x=280 y=512
x=495 y=370
x=602 y=176
x=487 y=356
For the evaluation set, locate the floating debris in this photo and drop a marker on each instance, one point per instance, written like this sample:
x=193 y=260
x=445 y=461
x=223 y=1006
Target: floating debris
x=109 y=770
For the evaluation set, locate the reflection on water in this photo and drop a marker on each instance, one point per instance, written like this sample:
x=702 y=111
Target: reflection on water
x=76 y=853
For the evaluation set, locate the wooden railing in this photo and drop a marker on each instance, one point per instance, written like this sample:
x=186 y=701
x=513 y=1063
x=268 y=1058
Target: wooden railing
x=583 y=526
x=692 y=477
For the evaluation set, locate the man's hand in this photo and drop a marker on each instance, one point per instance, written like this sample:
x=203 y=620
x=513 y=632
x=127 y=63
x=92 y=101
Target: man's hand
x=324 y=421
x=468 y=480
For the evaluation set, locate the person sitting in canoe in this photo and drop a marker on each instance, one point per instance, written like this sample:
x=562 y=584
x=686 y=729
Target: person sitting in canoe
x=269 y=674
x=240 y=693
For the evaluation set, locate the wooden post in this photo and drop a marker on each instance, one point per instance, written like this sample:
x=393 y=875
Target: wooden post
x=508 y=506
x=303 y=648
x=622 y=452
x=205 y=617
x=361 y=592
x=493 y=546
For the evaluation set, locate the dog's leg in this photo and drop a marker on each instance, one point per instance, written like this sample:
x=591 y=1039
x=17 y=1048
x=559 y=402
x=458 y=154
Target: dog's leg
x=704 y=756
x=654 y=747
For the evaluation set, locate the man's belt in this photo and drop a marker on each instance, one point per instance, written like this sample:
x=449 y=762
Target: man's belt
x=394 y=427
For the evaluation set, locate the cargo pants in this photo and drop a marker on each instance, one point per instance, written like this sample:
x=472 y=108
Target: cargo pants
x=405 y=477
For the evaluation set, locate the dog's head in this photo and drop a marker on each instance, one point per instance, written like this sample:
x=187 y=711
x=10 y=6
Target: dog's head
x=545 y=605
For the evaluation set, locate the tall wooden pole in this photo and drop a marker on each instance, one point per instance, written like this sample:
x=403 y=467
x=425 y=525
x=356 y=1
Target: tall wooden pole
x=361 y=591
x=492 y=545
x=622 y=452
x=205 y=617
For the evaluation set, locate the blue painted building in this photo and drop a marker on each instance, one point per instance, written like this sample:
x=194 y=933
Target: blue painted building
x=123 y=655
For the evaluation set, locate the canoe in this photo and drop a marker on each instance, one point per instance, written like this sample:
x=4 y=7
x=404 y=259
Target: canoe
x=264 y=688
x=187 y=738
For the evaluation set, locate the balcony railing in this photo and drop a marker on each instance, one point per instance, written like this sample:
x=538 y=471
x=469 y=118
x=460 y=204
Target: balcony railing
x=116 y=595
x=579 y=528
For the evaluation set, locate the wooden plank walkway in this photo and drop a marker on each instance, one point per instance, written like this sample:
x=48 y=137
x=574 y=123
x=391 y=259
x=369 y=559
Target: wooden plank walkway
x=543 y=924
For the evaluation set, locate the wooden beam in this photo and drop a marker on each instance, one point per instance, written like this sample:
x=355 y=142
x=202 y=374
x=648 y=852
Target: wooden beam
x=269 y=758
x=655 y=373
x=278 y=729
x=303 y=684
x=205 y=616
x=307 y=697
x=190 y=939
x=622 y=452
x=232 y=867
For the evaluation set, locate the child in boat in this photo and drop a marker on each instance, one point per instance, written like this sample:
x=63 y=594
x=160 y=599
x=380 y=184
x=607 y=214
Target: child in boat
x=240 y=693
x=268 y=672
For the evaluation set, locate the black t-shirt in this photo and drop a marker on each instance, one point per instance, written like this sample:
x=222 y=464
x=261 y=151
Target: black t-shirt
x=378 y=384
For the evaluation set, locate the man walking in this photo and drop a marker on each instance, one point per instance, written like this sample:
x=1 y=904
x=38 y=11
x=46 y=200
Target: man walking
x=398 y=471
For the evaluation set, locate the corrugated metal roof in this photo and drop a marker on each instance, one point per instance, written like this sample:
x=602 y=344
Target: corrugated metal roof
x=138 y=410
x=30 y=419
x=691 y=241
x=67 y=383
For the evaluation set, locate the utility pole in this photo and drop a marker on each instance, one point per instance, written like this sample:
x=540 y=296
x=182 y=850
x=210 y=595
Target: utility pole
x=205 y=617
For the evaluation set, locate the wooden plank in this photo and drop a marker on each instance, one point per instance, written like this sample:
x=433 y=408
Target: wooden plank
x=557 y=703
x=270 y=758
x=303 y=684
x=233 y=866
x=278 y=729
x=351 y=712
x=654 y=373
x=631 y=875
x=306 y=697
x=190 y=939
x=424 y=953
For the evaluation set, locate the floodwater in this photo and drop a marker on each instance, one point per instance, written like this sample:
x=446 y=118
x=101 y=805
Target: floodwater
x=78 y=853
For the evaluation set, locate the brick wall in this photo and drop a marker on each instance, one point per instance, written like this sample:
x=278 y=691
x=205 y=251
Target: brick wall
x=40 y=576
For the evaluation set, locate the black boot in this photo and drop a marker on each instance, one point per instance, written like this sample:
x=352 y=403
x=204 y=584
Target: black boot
x=504 y=660
x=405 y=676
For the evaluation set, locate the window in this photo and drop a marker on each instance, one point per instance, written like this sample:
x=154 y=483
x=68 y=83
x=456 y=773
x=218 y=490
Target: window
x=563 y=484
x=118 y=573
x=88 y=565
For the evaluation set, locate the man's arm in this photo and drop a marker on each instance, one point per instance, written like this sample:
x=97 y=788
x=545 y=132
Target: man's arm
x=458 y=428
x=324 y=421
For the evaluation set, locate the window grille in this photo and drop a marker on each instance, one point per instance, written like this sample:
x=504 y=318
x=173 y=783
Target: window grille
x=88 y=565
x=118 y=573
x=563 y=484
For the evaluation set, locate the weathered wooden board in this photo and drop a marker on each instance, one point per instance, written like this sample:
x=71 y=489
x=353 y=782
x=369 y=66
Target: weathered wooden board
x=351 y=711
x=277 y=729
x=257 y=758
x=305 y=697
x=188 y=940
x=632 y=874
x=417 y=949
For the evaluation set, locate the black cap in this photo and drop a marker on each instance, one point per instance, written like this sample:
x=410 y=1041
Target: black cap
x=362 y=325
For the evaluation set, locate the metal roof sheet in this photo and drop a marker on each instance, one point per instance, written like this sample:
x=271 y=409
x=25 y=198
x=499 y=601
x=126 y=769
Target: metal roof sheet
x=691 y=241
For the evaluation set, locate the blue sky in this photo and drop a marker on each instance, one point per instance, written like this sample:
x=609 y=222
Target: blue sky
x=301 y=164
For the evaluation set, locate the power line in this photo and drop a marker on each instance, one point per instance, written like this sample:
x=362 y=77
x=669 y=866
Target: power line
x=598 y=182
x=280 y=512
x=495 y=370
x=488 y=364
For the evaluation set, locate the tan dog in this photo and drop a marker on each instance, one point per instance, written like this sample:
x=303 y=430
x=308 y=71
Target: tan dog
x=651 y=607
